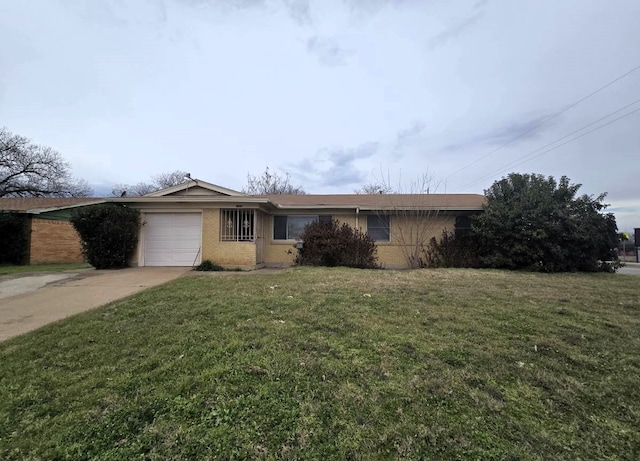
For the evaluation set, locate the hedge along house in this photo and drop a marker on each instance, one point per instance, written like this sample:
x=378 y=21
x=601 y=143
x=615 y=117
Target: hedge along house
x=195 y=221
x=50 y=236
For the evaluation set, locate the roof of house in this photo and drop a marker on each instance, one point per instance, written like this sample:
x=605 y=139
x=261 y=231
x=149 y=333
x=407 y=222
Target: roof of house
x=199 y=185
x=42 y=203
x=364 y=202
x=381 y=201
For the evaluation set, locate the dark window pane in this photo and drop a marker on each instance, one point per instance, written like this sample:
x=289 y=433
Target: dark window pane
x=463 y=222
x=296 y=224
x=325 y=218
x=378 y=227
x=279 y=227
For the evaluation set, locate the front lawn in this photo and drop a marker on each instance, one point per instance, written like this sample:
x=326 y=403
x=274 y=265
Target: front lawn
x=11 y=270
x=335 y=364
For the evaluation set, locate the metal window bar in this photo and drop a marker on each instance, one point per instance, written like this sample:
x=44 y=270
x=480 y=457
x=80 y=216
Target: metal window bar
x=237 y=225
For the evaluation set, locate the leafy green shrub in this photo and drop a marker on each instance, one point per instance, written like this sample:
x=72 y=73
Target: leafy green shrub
x=208 y=266
x=14 y=238
x=539 y=224
x=335 y=244
x=452 y=250
x=109 y=234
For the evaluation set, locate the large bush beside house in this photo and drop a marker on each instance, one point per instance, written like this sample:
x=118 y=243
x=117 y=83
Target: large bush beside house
x=535 y=223
x=14 y=238
x=334 y=244
x=109 y=234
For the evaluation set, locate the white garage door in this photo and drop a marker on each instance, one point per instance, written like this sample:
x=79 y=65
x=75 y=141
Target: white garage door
x=172 y=239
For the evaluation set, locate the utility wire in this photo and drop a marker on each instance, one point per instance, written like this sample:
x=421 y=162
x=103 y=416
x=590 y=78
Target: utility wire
x=524 y=158
x=546 y=120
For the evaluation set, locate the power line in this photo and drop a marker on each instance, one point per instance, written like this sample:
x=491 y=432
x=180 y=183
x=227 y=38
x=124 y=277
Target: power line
x=546 y=120
x=524 y=158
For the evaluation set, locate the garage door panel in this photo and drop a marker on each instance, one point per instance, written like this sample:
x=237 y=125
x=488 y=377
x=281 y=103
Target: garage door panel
x=172 y=239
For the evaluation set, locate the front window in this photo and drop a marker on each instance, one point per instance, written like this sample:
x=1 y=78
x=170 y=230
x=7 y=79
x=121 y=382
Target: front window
x=463 y=225
x=378 y=227
x=236 y=225
x=291 y=227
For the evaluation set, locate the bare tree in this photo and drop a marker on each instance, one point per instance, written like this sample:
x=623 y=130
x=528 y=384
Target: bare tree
x=375 y=188
x=165 y=180
x=271 y=183
x=30 y=170
x=414 y=225
x=158 y=182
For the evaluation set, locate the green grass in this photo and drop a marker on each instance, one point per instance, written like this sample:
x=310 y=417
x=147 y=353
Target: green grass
x=335 y=364
x=11 y=270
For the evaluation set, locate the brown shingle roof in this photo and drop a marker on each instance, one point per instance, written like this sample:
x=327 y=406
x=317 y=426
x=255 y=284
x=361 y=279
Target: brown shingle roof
x=382 y=201
x=31 y=203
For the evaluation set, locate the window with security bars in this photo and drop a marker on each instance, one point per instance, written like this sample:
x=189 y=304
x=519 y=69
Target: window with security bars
x=236 y=225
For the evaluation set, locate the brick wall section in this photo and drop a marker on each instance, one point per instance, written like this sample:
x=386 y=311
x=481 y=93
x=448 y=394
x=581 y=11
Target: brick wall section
x=283 y=253
x=240 y=254
x=408 y=231
x=54 y=242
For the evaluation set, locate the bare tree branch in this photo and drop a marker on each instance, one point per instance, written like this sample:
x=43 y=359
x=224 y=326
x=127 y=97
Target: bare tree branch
x=411 y=227
x=271 y=184
x=158 y=182
x=30 y=170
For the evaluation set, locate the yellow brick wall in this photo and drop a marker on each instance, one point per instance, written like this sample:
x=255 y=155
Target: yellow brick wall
x=283 y=252
x=405 y=233
x=54 y=242
x=224 y=253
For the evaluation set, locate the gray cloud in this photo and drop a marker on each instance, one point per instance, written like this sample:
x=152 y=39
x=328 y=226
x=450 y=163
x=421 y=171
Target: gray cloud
x=300 y=11
x=226 y=4
x=372 y=6
x=327 y=50
x=407 y=136
x=334 y=167
x=414 y=130
x=453 y=31
x=522 y=130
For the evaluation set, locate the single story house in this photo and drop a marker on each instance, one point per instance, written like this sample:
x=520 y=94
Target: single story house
x=194 y=221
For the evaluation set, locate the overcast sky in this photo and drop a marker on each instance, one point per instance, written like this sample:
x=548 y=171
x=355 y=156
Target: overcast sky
x=336 y=93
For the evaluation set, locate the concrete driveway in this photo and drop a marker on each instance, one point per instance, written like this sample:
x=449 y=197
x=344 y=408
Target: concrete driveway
x=630 y=269
x=30 y=301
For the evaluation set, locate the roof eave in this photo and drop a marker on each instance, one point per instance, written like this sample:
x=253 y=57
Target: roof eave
x=66 y=207
x=190 y=199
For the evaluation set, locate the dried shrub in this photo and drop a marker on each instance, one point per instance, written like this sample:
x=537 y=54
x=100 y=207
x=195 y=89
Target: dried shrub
x=452 y=250
x=334 y=244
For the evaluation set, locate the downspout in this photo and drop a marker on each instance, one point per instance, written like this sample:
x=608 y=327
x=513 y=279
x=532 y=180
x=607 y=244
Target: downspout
x=358 y=218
